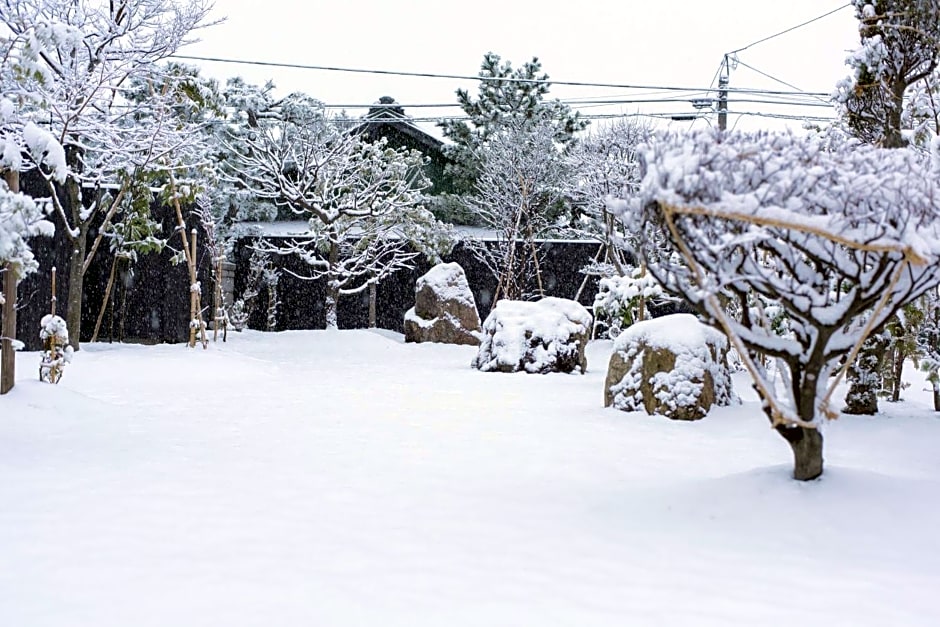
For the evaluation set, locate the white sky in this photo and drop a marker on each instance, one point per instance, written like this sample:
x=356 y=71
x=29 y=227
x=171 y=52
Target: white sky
x=632 y=42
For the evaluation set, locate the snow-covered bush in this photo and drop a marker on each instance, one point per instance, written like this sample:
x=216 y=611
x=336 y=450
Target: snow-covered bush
x=673 y=365
x=238 y=315
x=56 y=352
x=20 y=218
x=549 y=335
x=622 y=300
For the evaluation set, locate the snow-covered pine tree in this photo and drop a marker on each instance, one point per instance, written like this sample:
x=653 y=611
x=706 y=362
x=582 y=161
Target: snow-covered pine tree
x=840 y=234
x=506 y=98
x=899 y=48
x=888 y=101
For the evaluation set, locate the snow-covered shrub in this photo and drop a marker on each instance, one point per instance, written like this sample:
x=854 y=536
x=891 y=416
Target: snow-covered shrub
x=237 y=315
x=621 y=300
x=549 y=335
x=673 y=365
x=839 y=234
x=263 y=278
x=56 y=352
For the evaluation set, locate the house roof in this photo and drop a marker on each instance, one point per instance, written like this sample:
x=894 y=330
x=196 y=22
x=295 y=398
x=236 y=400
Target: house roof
x=387 y=114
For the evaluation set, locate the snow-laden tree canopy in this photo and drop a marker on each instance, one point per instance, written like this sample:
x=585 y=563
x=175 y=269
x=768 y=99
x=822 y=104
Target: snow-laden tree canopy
x=838 y=233
x=363 y=201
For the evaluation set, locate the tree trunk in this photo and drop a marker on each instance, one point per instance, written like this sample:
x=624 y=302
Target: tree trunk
x=76 y=289
x=8 y=330
x=372 y=298
x=330 y=306
x=899 y=358
x=807 y=445
x=331 y=303
x=936 y=398
x=7 y=354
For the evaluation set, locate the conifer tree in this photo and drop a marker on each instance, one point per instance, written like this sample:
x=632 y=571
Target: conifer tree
x=506 y=98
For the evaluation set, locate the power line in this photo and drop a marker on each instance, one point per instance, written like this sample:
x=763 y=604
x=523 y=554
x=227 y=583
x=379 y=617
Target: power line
x=792 y=28
x=463 y=77
x=766 y=75
x=579 y=103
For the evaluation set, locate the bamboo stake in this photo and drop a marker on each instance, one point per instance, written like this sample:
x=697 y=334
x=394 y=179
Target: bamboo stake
x=104 y=301
x=216 y=296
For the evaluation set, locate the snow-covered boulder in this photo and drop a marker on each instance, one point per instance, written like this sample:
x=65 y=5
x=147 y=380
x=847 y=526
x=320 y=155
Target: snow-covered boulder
x=444 y=310
x=549 y=335
x=674 y=366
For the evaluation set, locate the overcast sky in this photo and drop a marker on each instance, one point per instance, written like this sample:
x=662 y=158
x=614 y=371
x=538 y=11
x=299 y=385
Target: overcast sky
x=630 y=42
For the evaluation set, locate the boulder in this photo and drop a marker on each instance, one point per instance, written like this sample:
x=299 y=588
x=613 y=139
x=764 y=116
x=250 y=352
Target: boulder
x=444 y=310
x=674 y=366
x=549 y=335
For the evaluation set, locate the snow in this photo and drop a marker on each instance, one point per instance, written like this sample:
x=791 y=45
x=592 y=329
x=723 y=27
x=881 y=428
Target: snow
x=449 y=282
x=384 y=483
x=532 y=335
x=46 y=149
x=676 y=332
x=54 y=326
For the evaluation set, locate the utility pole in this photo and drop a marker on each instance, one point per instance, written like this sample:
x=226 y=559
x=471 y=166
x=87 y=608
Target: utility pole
x=723 y=77
x=8 y=332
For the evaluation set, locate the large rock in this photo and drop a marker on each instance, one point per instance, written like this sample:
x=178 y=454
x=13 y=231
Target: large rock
x=549 y=335
x=674 y=366
x=444 y=308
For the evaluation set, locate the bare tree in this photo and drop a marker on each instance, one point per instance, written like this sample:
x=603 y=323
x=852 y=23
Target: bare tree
x=521 y=182
x=839 y=234
x=362 y=201
x=606 y=165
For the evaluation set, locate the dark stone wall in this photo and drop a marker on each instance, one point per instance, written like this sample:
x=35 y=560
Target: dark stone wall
x=301 y=301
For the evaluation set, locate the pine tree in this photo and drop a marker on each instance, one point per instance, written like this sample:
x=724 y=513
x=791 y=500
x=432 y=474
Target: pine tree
x=506 y=97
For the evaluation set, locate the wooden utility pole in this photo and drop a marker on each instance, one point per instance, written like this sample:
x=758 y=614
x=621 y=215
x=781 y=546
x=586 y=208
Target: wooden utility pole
x=8 y=332
x=723 y=78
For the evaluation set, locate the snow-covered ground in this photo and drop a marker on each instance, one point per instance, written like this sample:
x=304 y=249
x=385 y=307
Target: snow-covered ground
x=347 y=478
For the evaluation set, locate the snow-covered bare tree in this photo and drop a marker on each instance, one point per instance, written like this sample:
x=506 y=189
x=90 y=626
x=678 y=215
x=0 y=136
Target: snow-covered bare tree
x=522 y=177
x=363 y=201
x=839 y=234
x=22 y=145
x=72 y=61
x=605 y=166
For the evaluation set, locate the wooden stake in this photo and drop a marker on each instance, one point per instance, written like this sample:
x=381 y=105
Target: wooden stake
x=216 y=300
x=193 y=294
x=8 y=330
